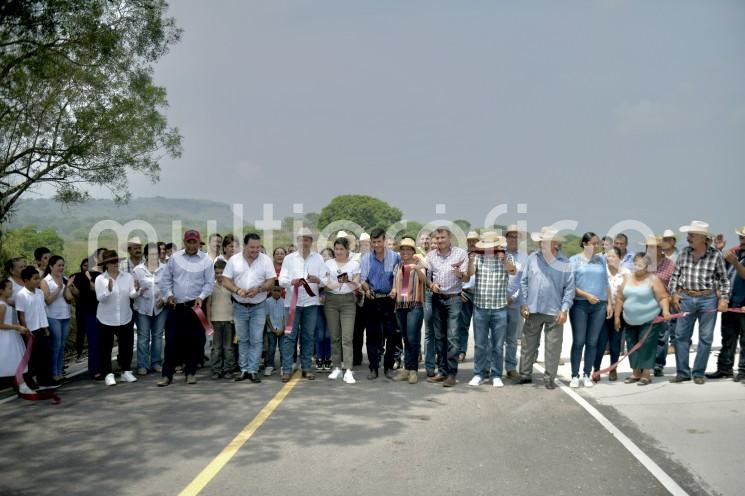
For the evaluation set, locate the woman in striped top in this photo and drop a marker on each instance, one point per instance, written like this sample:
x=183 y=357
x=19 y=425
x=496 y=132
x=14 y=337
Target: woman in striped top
x=408 y=289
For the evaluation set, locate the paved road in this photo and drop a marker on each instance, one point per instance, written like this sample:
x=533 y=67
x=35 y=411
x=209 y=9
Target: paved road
x=375 y=437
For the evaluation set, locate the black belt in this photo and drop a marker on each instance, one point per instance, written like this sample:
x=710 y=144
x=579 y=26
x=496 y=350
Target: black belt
x=187 y=304
x=446 y=296
x=248 y=305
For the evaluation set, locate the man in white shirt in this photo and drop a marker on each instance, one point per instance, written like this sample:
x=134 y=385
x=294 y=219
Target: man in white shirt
x=248 y=276
x=304 y=265
x=33 y=316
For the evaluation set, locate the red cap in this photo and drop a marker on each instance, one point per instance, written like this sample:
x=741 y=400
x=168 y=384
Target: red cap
x=192 y=235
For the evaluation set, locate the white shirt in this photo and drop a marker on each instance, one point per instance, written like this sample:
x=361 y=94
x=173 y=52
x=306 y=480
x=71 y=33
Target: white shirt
x=295 y=266
x=249 y=276
x=16 y=288
x=33 y=307
x=351 y=267
x=150 y=293
x=113 y=306
x=471 y=284
x=615 y=282
x=59 y=308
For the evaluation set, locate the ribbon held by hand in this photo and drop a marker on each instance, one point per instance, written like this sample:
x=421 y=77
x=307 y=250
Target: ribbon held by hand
x=46 y=394
x=203 y=320
x=293 y=302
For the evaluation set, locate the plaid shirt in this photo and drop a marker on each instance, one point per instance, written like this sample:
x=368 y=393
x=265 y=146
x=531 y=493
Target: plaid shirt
x=442 y=269
x=490 y=290
x=664 y=270
x=707 y=272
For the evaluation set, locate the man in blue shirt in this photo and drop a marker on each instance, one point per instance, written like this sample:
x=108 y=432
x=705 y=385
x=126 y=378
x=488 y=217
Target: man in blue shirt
x=377 y=268
x=547 y=286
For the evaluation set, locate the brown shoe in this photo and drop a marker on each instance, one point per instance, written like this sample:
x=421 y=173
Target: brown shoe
x=679 y=378
x=165 y=381
x=450 y=381
x=309 y=375
x=401 y=375
x=413 y=378
x=613 y=376
x=437 y=378
x=462 y=357
x=285 y=377
x=513 y=375
x=699 y=380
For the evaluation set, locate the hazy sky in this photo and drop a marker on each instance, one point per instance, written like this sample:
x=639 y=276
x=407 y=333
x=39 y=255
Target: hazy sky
x=594 y=111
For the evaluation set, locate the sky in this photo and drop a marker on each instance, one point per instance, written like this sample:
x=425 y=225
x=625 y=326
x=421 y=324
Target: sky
x=597 y=112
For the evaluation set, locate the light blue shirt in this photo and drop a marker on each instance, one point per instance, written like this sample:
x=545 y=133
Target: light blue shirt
x=590 y=276
x=187 y=278
x=513 y=285
x=628 y=260
x=275 y=310
x=379 y=275
x=547 y=289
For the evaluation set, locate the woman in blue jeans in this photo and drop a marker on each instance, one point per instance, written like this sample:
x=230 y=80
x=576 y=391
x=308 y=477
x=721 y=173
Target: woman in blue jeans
x=408 y=286
x=609 y=336
x=57 y=295
x=590 y=308
x=150 y=311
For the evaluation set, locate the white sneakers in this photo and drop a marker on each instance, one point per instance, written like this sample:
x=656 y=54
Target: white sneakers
x=23 y=388
x=476 y=381
x=335 y=374
x=127 y=376
x=574 y=383
x=497 y=382
x=268 y=371
x=348 y=376
x=109 y=380
x=586 y=381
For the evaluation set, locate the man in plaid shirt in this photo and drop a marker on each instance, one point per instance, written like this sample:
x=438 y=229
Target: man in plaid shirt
x=492 y=271
x=698 y=276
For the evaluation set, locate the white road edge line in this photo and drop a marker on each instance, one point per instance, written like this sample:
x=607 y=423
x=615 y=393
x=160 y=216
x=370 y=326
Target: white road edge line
x=627 y=443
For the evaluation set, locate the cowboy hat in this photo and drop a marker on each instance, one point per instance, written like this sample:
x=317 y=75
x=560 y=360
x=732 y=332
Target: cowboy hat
x=511 y=228
x=490 y=240
x=364 y=237
x=740 y=231
x=134 y=241
x=304 y=232
x=109 y=256
x=696 y=227
x=472 y=235
x=669 y=234
x=547 y=233
x=651 y=240
x=407 y=242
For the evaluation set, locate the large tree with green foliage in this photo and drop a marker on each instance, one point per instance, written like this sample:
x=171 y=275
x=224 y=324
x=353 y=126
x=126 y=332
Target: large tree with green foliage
x=364 y=210
x=23 y=241
x=78 y=104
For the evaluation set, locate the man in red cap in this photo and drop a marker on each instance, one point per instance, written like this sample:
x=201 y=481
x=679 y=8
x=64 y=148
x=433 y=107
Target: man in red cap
x=188 y=280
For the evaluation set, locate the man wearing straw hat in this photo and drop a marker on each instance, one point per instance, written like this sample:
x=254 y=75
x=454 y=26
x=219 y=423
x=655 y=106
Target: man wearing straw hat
x=514 y=301
x=306 y=265
x=491 y=271
x=698 y=276
x=548 y=289
x=466 y=295
x=733 y=324
x=669 y=239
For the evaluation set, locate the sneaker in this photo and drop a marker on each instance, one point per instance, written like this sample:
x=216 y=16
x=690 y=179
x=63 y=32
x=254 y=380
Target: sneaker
x=574 y=382
x=327 y=365
x=413 y=378
x=401 y=375
x=497 y=382
x=450 y=381
x=142 y=371
x=349 y=377
x=109 y=380
x=24 y=389
x=128 y=376
x=476 y=381
x=268 y=371
x=698 y=380
x=587 y=382
x=157 y=369
x=335 y=374
x=165 y=381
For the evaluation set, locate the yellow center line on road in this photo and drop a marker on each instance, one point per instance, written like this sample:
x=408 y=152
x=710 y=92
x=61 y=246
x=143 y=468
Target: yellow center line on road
x=216 y=465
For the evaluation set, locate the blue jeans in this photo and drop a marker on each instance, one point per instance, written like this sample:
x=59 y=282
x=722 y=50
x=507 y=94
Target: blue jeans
x=59 y=330
x=464 y=322
x=91 y=333
x=665 y=337
x=429 y=333
x=249 y=327
x=303 y=327
x=587 y=321
x=515 y=323
x=489 y=327
x=322 y=336
x=150 y=330
x=611 y=338
x=445 y=315
x=410 y=323
x=684 y=331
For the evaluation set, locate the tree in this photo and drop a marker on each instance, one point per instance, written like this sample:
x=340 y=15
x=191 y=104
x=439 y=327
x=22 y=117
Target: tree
x=463 y=224
x=364 y=210
x=78 y=105
x=23 y=241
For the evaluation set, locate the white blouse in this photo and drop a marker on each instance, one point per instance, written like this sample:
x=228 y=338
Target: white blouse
x=351 y=267
x=113 y=306
x=150 y=299
x=59 y=308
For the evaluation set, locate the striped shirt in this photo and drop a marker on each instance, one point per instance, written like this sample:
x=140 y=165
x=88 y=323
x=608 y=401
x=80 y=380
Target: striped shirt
x=415 y=296
x=664 y=270
x=442 y=269
x=492 y=279
x=706 y=273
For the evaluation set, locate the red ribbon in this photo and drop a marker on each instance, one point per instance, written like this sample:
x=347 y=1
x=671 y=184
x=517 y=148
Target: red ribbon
x=405 y=281
x=203 y=319
x=293 y=302
x=596 y=375
x=46 y=394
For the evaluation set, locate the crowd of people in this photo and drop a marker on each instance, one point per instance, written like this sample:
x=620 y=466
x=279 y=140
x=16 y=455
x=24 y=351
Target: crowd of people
x=233 y=308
